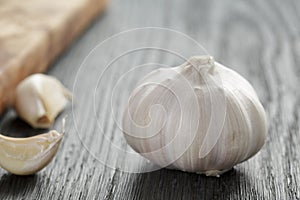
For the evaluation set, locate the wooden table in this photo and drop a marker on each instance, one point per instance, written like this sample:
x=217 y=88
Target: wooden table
x=259 y=39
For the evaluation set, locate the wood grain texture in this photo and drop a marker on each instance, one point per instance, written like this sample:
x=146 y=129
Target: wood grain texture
x=35 y=32
x=259 y=39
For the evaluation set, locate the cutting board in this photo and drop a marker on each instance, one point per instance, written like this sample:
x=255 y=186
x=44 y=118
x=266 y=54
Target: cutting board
x=34 y=32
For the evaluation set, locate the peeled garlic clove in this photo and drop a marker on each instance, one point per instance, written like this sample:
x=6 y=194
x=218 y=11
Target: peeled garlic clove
x=39 y=99
x=24 y=156
x=199 y=117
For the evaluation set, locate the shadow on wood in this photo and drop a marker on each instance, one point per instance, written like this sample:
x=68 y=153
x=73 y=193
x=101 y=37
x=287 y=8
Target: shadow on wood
x=16 y=186
x=171 y=184
x=13 y=126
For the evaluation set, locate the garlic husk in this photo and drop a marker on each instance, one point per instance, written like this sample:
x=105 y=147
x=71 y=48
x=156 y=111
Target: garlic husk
x=198 y=117
x=25 y=156
x=39 y=99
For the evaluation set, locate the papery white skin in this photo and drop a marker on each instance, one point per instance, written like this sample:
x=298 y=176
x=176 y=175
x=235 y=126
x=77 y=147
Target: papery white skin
x=39 y=99
x=199 y=117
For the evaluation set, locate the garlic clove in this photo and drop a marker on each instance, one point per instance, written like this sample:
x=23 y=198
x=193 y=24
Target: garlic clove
x=25 y=156
x=39 y=99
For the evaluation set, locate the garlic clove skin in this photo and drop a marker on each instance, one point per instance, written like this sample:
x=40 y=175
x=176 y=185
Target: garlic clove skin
x=172 y=115
x=25 y=156
x=39 y=99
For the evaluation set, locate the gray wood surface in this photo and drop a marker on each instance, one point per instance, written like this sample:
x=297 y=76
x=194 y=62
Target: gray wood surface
x=259 y=39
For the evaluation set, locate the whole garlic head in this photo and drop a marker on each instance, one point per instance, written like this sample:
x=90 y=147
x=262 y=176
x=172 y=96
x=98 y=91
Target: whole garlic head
x=39 y=99
x=199 y=117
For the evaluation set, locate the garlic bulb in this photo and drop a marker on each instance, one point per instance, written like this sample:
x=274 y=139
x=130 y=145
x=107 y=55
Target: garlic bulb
x=198 y=117
x=39 y=99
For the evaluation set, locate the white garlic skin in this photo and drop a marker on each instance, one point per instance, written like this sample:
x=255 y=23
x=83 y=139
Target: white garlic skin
x=242 y=135
x=39 y=99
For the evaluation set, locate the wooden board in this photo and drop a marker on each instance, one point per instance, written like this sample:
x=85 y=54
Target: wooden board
x=259 y=39
x=34 y=32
